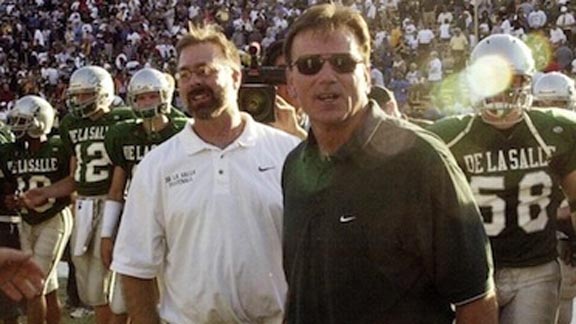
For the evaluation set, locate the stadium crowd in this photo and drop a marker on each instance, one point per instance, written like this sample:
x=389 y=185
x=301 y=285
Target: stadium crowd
x=416 y=44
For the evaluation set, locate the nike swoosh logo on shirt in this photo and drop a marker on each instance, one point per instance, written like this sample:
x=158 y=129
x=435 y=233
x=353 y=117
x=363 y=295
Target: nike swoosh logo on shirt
x=263 y=169
x=347 y=219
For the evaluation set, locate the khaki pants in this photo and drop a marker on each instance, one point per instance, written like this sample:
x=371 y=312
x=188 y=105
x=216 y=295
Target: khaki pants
x=47 y=241
x=528 y=295
x=93 y=278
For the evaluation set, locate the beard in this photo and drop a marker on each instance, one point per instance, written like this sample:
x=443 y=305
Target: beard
x=204 y=101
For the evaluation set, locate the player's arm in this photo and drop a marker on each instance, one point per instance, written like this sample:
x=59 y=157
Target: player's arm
x=65 y=187
x=566 y=219
x=112 y=211
x=481 y=311
x=566 y=224
x=140 y=296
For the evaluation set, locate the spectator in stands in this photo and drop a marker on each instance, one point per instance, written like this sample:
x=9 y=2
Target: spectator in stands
x=434 y=68
x=566 y=22
x=445 y=14
x=459 y=49
x=400 y=86
x=557 y=35
x=537 y=18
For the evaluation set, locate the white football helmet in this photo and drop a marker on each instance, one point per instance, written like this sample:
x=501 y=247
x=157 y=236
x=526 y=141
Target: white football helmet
x=89 y=80
x=555 y=89
x=507 y=66
x=117 y=102
x=31 y=115
x=151 y=80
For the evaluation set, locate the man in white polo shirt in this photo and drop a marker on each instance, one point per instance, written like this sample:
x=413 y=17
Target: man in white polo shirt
x=204 y=210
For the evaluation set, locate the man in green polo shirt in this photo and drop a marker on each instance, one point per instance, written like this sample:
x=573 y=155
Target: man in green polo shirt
x=380 y=225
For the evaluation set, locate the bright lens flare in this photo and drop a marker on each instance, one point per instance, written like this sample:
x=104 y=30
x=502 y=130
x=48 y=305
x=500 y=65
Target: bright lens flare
x=452 y=94
x=541 y=49
x=489 y=76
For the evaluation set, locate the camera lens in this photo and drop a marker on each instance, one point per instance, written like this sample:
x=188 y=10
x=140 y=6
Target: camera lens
x=258 y=101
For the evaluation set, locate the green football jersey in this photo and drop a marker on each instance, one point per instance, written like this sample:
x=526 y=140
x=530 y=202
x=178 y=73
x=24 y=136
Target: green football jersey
x=6 y=188
x=26 y=170
x=515 y=175
x=127 y=142
x=176 y=113
x=84 y=139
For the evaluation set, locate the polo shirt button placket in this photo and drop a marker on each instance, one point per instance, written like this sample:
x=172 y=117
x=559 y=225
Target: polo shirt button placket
x=220 y=170
x=220 y=166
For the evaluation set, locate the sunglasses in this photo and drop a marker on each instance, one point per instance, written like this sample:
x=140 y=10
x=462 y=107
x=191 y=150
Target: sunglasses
x=340 y=62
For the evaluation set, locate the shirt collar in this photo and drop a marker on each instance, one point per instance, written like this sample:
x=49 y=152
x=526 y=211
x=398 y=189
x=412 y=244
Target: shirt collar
x=360 y=137
x=193 y=144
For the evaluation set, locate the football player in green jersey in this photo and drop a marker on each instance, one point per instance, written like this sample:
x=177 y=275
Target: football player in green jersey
x=520 y=163
x=555 y=89
x=150 y=96
x=90 y=94
x=36 y=160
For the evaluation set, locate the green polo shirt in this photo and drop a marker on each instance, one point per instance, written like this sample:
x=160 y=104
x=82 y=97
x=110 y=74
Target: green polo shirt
x=384 y=231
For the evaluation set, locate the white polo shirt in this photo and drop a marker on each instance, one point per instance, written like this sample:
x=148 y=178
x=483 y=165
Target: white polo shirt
x=209 y=221
x=537 y=19
x=557 y=35
x=435 y=70
x=425 y=36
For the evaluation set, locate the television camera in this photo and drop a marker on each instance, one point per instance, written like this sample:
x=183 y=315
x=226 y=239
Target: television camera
x=257 y=94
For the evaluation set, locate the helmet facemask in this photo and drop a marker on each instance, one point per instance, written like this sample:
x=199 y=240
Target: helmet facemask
x=501 y=108
x=148 y=81
x=20 y=124
x=95 y=87
x=500 y=79
x=32 y=116
x=86 y=108
x=162 y=107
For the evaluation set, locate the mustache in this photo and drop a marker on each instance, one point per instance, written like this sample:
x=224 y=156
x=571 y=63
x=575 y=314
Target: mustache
x=200 y=90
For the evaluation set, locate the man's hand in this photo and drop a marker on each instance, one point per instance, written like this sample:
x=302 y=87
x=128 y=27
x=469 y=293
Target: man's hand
x=106 y=249
x=13 y=202
x=567 y=251
x=20 y=276
x=286 y=118
x=34 y=198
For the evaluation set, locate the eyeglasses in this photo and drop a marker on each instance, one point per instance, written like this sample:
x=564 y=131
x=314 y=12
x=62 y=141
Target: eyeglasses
x=340 y=62
x=201 y=71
